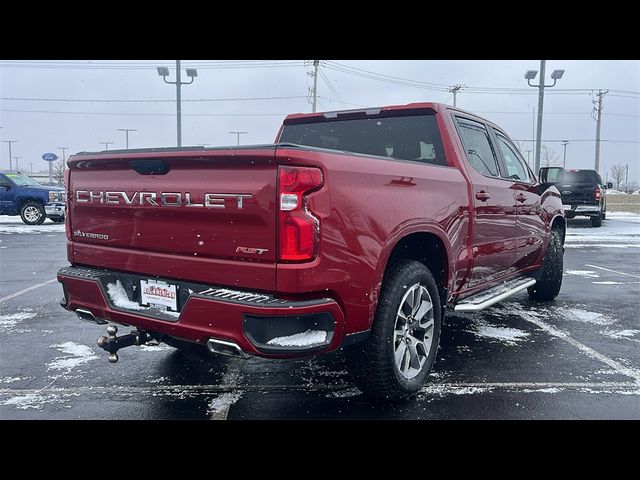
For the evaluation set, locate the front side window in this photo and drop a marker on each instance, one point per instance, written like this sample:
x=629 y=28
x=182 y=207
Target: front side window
x=516 y=169
x=475 y=139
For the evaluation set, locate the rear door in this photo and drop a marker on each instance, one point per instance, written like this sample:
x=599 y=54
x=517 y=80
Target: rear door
x=493 y=203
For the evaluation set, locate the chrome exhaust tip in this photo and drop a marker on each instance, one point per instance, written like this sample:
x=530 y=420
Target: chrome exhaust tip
x=87 y=316
x=221 y=347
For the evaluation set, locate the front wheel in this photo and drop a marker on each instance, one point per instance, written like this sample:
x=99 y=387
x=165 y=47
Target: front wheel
x=548 y=287
x=394 y=361
x=32 y=213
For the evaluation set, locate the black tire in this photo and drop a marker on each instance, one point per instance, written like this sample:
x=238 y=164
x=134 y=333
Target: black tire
x=372 y=362
x=32 y=213
x=596 y=220
x=57 y=219
x=548 y=287
x=604 y=215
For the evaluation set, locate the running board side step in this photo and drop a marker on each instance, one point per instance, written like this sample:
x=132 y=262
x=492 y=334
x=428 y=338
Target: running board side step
x=486 y=298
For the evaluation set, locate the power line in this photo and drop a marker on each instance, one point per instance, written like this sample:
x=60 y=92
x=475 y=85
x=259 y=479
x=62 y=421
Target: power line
x=148 y=100
x=580 y=140
x=151 y=114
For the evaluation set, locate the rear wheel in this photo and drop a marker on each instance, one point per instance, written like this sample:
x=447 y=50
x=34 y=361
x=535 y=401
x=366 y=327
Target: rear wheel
x=394 y=361
x=548 y=287
x=596 y=220
x=32 y=213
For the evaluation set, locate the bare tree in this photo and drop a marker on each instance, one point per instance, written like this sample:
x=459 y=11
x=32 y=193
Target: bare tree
x=618 y=172
x=548 y=157
x=58 y=173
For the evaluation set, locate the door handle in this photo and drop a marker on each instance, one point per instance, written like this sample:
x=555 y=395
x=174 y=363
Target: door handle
x=483 y=196
x=521 y=197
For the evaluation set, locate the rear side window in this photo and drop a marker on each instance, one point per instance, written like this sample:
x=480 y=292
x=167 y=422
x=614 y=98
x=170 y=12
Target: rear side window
x=475 y=139
x=414 y=137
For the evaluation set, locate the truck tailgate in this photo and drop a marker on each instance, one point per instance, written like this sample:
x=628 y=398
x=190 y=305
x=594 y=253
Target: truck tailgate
x=189 y=214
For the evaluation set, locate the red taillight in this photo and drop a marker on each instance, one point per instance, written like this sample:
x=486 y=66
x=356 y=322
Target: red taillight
x=598 y=193
x=298 y=228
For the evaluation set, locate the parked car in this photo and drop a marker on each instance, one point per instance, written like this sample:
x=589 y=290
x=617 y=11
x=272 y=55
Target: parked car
x=583 y=192
x=357 y=229
x=22 y=195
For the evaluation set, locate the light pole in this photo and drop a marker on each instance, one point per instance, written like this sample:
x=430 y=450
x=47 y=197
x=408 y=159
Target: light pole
x=106 y=144
x=126 y=131
x=564 y=158
x=64 y=158
x=530 y=75
x=164 y=73
x=31 y=167
x=10 y=161
x=17 y=167
x=238 y=135
x=529 y=157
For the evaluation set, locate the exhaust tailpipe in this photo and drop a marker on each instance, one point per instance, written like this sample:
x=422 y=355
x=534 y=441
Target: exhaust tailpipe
x=222 y=347
x=87 y=316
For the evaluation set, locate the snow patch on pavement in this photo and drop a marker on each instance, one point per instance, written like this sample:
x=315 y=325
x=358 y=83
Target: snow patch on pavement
x=12 y=379
x=304 y=339
x=156 y=348
x=223 y=402
x=7 y=322
x=586 y=316
x=75 y=355
x=348 y=393
x=583 y=273
x=542 y=390
x=442 y=390
x=621 y=334
x=36 y=401
x=609 y=283
x=507 y=335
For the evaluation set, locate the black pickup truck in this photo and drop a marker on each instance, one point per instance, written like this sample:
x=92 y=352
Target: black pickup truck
x=582 y=191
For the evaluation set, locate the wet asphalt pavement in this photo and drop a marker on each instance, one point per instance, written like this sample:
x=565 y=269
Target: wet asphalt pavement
x=577 y=358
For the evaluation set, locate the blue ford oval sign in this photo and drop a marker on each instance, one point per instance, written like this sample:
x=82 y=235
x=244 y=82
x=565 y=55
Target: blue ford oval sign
x=49 y=157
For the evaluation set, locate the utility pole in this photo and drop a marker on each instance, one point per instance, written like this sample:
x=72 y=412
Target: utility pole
x=564 y=160
x=238 y=135
x=626 y=180
x=530 y=75
x=10 y=161
x=598 y=118
x=126 y=131
x=191 y=73
x=314 y=93
x=64 y=158
x=31 y=167
x=18 y=168
x=455 y=89
x=529 y=157
x=106 y=144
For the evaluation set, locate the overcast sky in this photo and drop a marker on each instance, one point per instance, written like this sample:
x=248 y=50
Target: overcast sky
x=40 y=125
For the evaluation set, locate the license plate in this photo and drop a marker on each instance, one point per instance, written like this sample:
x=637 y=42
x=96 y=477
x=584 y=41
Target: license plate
x=566 y=207
x=159 y=294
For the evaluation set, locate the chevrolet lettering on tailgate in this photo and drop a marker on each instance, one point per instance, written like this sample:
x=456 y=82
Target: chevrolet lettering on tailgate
x=161 y=199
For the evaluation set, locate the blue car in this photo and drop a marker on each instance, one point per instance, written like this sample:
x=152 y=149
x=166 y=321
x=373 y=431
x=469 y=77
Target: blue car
x=22 y=195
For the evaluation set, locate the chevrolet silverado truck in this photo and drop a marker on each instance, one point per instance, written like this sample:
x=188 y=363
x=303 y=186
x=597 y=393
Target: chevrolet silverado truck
x=22 y=195
x=583 y=192
x=356 y=229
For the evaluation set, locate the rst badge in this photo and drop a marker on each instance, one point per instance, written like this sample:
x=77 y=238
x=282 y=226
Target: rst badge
x=256 y=251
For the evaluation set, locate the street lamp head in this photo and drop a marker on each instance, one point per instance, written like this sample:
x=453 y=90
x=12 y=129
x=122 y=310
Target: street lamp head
x=557 y=74
x=163 y=71
x=192 y=72
x=530 y=74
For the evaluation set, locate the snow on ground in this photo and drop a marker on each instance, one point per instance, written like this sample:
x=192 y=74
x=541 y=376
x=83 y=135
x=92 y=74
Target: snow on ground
x=163 y=347
x=347 y=393
x=435 y=390
x=621 y=334
x=7 y=322
x=16 y=225
x=619 y=230
x=37 y=401
x=310 y=337
x=508 y=336
x=74 y=356
x=223 y=402
x=583 y=273
x=585 y=316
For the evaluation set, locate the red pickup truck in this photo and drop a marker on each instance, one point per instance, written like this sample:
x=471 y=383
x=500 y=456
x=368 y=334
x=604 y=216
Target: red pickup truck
x=356 y=229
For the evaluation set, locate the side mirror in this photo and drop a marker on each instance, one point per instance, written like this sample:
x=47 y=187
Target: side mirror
x=609 y=185
x=549 y=174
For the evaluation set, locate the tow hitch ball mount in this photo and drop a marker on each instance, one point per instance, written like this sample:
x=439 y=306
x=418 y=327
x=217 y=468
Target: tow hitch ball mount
x=112 y=343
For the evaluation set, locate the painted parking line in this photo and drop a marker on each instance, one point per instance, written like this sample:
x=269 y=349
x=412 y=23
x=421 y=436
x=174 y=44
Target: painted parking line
x=590 y=352
x=26 y=290
x=613 y=271
x=220 y=406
